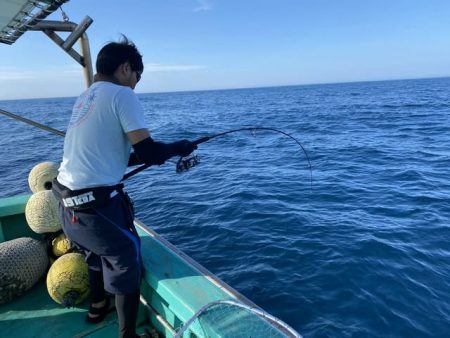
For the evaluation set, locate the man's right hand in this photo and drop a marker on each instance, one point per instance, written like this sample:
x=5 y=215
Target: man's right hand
x=184 y=147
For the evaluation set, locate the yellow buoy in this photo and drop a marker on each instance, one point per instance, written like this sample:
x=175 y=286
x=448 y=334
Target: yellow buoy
x=67 y=280
x=42 y=175
x=60 y=245
x=41 y=212
x=23 y=261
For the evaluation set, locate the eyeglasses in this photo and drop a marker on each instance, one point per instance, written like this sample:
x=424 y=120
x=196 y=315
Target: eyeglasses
x=138 y=76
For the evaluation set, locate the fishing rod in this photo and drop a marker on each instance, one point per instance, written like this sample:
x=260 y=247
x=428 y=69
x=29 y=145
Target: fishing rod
x=184 y=163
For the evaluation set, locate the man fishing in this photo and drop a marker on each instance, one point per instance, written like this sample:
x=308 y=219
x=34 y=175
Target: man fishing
x=96 y=214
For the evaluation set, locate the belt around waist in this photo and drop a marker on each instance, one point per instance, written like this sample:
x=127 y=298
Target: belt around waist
x=85 y=198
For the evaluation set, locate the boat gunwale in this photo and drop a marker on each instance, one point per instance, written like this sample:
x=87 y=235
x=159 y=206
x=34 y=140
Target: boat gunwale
x=195 y=265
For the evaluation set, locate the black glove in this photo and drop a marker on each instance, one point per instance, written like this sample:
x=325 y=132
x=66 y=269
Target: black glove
x=184 y=147
x=151 y=152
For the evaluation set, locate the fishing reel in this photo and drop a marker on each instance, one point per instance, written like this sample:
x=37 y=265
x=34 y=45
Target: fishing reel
x=186 y=163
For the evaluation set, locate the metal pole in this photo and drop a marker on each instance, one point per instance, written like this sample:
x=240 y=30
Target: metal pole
x=32 y=123
x=86 y=53
x=77 y=32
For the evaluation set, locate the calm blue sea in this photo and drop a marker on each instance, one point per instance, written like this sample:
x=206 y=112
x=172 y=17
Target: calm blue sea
x=364 y=253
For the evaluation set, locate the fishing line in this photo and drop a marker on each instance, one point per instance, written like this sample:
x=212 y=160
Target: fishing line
x=183 y=164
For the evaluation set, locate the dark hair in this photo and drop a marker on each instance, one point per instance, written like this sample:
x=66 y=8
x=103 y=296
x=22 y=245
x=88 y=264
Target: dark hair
x=112 y=55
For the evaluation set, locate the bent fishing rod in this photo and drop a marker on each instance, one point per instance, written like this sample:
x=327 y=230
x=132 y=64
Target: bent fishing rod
x=183 y=164
x=188 y=162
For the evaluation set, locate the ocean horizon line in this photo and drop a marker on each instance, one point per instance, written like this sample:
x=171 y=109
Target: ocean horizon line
x=246 y=88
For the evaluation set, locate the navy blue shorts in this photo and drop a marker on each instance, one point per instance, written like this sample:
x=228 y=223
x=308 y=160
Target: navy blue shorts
x=109 y=239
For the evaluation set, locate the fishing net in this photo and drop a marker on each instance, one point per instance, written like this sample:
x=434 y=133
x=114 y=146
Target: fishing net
x=231 y=319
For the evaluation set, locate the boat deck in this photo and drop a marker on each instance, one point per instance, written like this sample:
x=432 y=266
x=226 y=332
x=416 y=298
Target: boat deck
x=35 y=314
x=173 y=289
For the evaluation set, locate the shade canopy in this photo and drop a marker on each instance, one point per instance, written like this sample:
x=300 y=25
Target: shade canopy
x=18 y=16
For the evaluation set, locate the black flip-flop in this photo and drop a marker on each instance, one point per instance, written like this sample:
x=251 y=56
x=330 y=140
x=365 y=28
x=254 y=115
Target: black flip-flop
x=100 y=313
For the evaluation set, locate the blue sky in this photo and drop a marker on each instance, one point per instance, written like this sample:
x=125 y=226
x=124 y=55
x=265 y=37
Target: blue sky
x=215 y=44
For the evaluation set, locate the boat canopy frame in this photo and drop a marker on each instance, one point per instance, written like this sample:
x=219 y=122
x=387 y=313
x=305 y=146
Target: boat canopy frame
x=20 y=16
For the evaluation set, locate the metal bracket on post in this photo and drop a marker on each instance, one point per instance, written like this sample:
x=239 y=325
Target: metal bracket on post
x=77 y=32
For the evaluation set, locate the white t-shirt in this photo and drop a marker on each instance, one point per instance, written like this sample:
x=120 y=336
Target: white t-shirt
x=96 y=147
